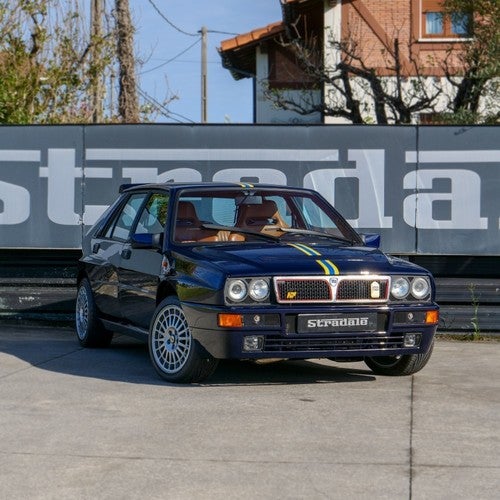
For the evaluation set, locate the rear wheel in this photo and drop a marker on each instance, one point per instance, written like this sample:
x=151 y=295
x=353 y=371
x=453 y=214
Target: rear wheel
x=406 y=364
x=175 y=355
x=90 y=331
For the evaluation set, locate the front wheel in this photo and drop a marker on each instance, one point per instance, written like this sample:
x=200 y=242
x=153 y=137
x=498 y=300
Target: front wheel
x=406 y=364
x=175 y=355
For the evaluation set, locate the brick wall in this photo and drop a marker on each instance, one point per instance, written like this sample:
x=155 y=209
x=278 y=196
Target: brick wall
x=375 y=25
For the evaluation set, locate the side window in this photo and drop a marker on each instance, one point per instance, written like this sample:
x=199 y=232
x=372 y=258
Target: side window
x=154 y=215
x=120 y=229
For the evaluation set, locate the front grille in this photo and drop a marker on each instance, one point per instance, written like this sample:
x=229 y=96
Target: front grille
x=329 y=343
x=321 y=289
x=304 y=290
x=359 y=290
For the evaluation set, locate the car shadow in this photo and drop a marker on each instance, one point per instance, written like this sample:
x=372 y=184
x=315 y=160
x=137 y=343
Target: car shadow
x=127 y=360
x=286 y=372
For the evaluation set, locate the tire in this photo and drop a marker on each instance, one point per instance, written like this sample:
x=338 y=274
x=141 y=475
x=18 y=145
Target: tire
x=89 y=329
x=407 y=364
x=175 y=355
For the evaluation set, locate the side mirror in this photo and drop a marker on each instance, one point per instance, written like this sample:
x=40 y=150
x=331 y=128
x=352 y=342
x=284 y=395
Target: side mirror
x=147 y=241
x=371 y=240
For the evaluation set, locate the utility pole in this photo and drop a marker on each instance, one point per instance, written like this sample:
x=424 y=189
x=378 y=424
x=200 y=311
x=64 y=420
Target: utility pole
x=96 y=14
x=204 y=97
x=128 y=102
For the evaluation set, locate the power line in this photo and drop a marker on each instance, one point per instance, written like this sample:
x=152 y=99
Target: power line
x=159 y=107
x=204 y=61
x=223 y=32
x=170 y=23
x=173 y=58
x=163 y=109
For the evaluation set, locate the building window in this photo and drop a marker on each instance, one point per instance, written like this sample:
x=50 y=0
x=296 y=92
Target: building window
x=433 y=23
x=437 y=24
x=461 y=24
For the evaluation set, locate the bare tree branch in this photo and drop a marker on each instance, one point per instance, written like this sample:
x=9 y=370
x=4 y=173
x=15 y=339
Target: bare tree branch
x=355 y=89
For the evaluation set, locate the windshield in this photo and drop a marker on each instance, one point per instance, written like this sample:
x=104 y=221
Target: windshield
x=250 y=214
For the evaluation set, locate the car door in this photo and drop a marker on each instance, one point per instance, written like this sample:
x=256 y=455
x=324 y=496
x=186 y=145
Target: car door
x=107 y=249
x=140 y=267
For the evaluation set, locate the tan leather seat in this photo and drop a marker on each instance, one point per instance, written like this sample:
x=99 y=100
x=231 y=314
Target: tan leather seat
x=186 y=214
x=260 y=218
x=188 y=227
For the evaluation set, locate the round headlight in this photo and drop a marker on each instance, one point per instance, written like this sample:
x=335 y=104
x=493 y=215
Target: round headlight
x=237 y=290
x=259 y=289
x=420 y=288
x=400 y=288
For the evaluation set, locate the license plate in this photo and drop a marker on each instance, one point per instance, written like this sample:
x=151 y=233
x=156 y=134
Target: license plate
x=336 y=323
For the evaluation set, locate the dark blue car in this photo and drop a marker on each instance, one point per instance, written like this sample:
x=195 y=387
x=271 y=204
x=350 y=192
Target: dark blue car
x=212 y=271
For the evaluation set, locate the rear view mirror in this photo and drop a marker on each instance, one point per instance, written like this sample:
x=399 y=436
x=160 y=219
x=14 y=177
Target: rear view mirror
x=371 y=240
x=249 y=199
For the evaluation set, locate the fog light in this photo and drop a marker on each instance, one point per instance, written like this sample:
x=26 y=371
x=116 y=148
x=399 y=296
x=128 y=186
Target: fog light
x=411 y=339
x=253 y=343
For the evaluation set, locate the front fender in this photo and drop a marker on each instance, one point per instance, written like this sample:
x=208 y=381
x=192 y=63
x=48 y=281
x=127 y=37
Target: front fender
x=200 y=283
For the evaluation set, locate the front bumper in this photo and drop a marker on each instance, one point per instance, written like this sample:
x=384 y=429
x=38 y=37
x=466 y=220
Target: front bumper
x=281 y=337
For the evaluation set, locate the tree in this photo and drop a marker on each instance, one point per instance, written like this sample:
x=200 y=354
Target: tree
x=354 y=89
x=128 y=104
x=46 y=70
x=476 y=77
x=394 y=84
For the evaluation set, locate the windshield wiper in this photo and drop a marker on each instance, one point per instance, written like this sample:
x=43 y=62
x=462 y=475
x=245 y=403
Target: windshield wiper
x=315 y=233
x=239 y=230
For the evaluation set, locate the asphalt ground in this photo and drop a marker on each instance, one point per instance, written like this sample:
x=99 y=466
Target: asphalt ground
x=88 y=423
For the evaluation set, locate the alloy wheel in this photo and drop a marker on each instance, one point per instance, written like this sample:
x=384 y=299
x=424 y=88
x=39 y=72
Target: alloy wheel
x=82 y=313
x=171 y=339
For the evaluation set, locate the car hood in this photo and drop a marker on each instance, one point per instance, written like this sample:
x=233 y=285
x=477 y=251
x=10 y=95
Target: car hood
x=298 y=259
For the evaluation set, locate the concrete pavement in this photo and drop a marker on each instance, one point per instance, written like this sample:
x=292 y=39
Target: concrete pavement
x=82 y=423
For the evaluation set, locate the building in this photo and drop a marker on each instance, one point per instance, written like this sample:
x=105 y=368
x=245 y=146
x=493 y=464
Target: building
x=411 y=44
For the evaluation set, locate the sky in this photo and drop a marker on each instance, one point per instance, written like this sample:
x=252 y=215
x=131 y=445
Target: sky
x=169 y=67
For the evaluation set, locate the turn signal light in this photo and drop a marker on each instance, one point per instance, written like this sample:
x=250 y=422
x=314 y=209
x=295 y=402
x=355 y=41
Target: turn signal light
x=230 y=320
x=432 y=317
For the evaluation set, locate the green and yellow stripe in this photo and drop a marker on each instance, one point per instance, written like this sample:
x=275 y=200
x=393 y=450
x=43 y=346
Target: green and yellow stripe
x=328 y=266
x=305 y=249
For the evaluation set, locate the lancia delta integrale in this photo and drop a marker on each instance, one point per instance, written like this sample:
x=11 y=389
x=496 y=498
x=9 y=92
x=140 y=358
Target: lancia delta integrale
x=215 y=271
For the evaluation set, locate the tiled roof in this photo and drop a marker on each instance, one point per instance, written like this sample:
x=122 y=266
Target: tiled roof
x=238 y=53
x=253 y=36
x=259 y=34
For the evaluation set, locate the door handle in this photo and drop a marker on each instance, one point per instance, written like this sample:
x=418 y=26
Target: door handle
x=96 y=247
x=126 y=253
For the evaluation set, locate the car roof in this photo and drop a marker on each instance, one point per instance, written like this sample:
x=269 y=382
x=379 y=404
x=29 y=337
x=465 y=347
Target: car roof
x=175 y=186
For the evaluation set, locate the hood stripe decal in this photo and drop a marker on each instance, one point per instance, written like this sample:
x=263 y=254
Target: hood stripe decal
x=305 y=249
x=328 y=266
